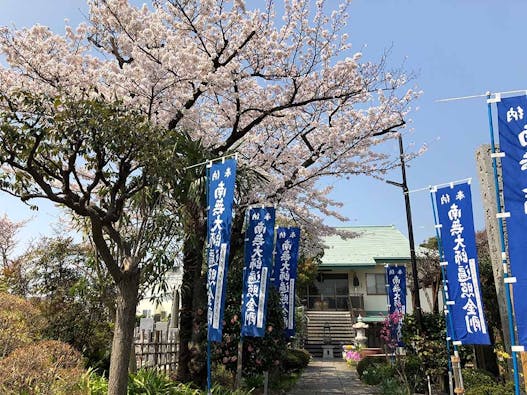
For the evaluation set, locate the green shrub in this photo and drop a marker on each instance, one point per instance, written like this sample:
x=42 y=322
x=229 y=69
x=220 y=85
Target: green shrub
x=392 y=386
x=283 y=383
x=295 y=359
x=412 y=369
x=426 y=348
x=365 y=363
x=370 y=376
x=222 y=376
x=385 y=369
x=93 y=384
x=475 y=377
x=253 y=381
x=376 y=372
x=481 y=382
x=220 y=390
x=148 y=381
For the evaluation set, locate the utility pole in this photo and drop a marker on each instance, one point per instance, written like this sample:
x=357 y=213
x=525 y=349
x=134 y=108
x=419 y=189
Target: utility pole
x=413 y=258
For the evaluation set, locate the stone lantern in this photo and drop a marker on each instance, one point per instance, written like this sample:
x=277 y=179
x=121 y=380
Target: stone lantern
x=360 y=330
x=327 y=334
x=327 y=347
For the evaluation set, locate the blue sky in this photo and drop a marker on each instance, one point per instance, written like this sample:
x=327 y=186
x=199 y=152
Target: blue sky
x=454 y=48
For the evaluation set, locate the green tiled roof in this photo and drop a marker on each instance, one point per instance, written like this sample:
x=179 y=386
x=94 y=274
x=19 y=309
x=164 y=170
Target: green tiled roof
x=369 y=246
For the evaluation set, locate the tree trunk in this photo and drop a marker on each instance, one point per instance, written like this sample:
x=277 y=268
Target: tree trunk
x=198 y=352
x=185 y=319
x=126 y=305
x=192 y=258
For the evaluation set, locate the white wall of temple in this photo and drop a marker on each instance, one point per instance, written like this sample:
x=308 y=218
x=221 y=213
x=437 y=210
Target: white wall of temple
x=379 y=302
x=164 y=305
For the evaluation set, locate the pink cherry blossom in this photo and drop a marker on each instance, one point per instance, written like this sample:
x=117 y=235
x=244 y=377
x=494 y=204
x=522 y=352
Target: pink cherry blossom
x=285 y=91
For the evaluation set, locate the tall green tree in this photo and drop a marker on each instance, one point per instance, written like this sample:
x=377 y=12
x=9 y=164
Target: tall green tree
x=105 y=164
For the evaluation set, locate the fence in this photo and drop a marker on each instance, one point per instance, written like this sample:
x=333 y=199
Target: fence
x=157 y=349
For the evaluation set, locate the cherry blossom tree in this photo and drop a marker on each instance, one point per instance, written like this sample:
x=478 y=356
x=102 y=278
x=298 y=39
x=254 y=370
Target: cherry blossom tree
x=279 y=86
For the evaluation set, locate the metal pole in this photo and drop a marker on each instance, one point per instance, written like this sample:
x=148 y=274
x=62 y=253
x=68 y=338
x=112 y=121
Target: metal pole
x=444 y=293
x=503 y=251
x=413 y=259
x=209 y=378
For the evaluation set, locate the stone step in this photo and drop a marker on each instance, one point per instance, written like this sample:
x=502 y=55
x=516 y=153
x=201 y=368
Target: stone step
x=341 y=329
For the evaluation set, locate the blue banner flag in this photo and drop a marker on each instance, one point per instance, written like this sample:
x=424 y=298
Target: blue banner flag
x=512 y=124
x=396 y=277
x=284 y=273
x=220 y=195
x=454 y=209
x=259 y=239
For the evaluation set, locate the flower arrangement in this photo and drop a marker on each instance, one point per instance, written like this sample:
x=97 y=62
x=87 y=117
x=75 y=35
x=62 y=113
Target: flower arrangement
x=351 y=354
x=352 y=357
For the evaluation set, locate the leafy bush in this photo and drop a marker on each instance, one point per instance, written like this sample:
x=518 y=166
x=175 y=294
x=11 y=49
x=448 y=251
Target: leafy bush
x=222 y=376
x=93 y=384
x=392 y=386
x=20 y=323
x=481 y=382
x=365 y=364
x=46 y=367
x=150 y=382
x=378 y=372
x=474 y=377
x=253 y=381
x=426 y=352
x=370 y=376
x=295 y=359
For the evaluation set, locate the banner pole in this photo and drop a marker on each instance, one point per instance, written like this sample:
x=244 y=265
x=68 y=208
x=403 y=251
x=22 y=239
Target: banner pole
x=503 y=250
x=239 y=361
x=209 y=378
x=447 y=314
x=388 y=304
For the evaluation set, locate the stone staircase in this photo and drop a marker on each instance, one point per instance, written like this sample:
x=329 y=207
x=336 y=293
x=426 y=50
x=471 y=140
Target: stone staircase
x=341 y=330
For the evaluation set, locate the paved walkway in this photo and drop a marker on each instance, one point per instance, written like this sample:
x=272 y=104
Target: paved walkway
x=331 y=376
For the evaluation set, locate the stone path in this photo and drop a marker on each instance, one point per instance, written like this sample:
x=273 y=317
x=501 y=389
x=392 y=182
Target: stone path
x=330 y=376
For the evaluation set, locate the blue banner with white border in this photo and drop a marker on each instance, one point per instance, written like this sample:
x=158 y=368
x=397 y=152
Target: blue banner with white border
x=512 y=125
x=259 y=240
x=221 y=178
x=285 y=272
x=396 y=277
x=454 y=209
